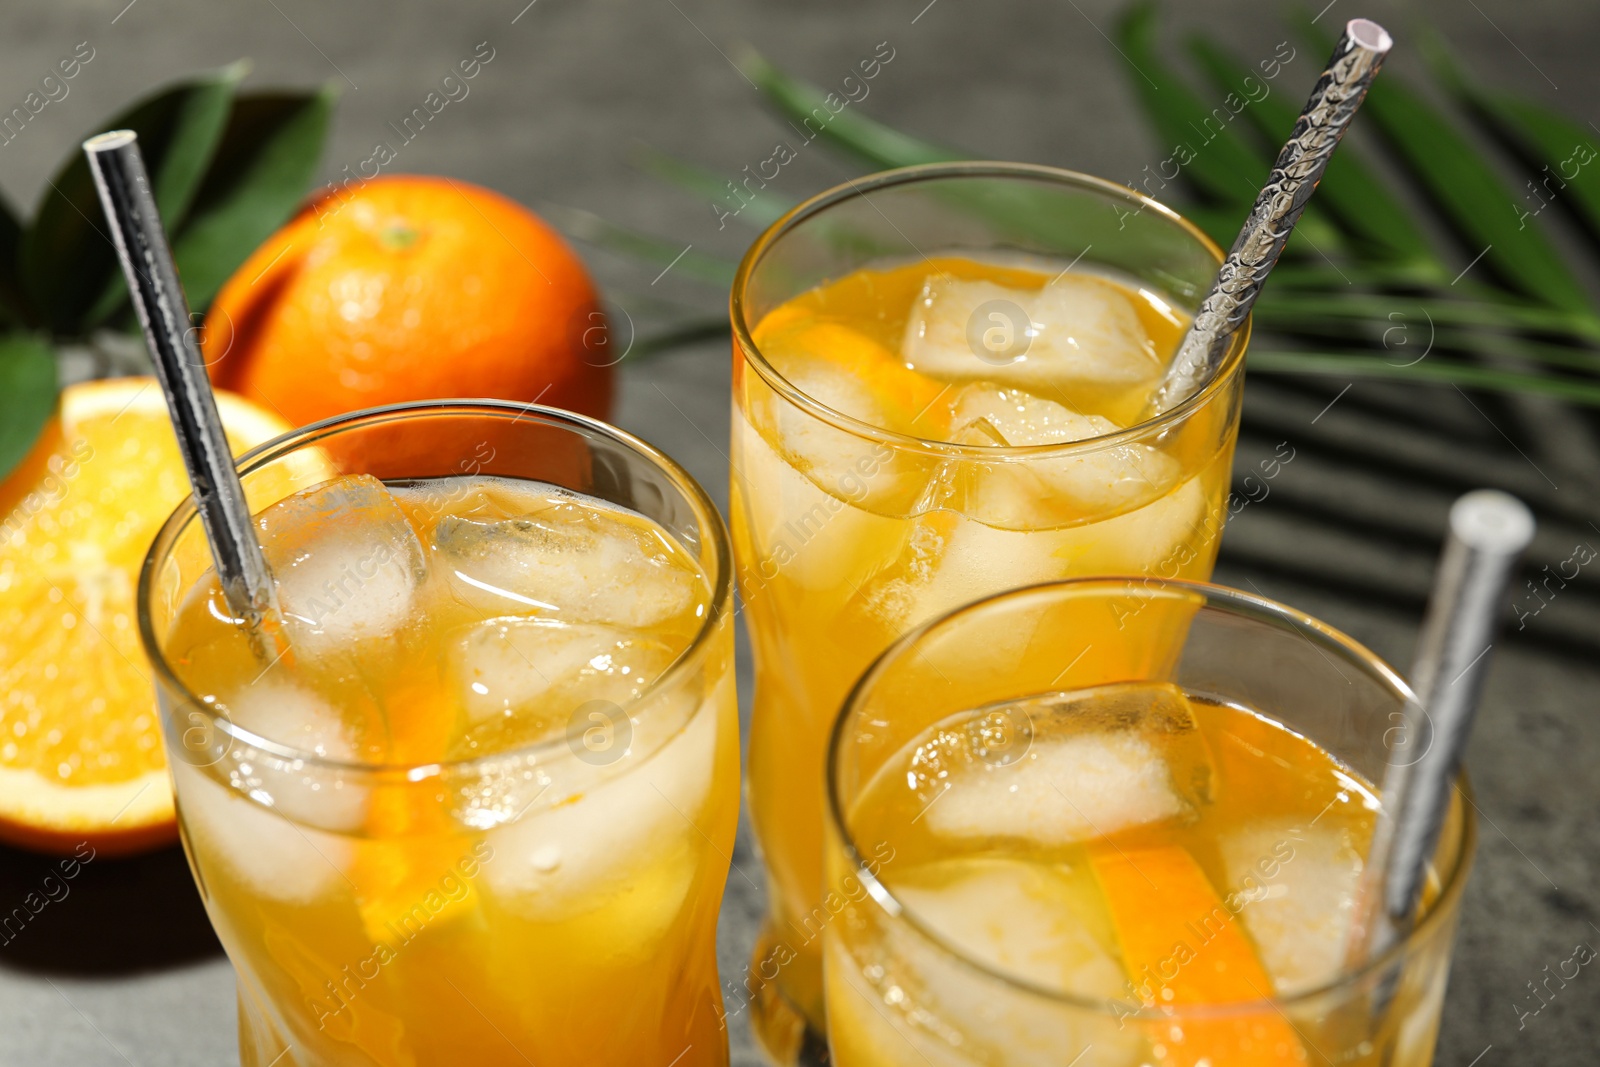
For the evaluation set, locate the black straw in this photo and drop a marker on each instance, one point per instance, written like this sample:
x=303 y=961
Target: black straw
x=124 y=187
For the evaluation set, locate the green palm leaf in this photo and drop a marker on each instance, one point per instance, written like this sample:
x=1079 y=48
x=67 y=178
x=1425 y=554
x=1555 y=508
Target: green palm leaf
x=761 y=211
x=1474 y=197
x=1361 y=265
x=1562 y=151
x=1349 y=190
x=1204 y=145
x=1442 y=372
x=877 y=144
x=226 y=170
x=1220 y=163
x=1516 y=315
x=657 y=251
x=1455 y=177
x=1559 y=143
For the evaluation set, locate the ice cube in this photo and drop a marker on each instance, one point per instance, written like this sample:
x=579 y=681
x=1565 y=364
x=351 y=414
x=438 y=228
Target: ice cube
x=1101 y=760
x=346 y=562
x=1295 y=886
x=833 y=385
x=502 y=667
x=1043 y=491
x=1021 y=418
x=1167 y=537
x=907 y=1000
x=845 y=370
x=289 y=714
x=260 y=847
x=843 y=464
x=284 y=712
x=567 y=560
x=1043 y=923
x=947 y=559
x=636 y=832
x=1061 y=792
x=1076 y=330
x=1093 y=328
x=815 y=539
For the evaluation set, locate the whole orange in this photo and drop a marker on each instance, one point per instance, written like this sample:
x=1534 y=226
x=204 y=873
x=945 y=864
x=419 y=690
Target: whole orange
x=410 y=288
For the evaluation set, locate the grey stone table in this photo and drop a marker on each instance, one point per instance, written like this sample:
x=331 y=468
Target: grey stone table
x=124 y=970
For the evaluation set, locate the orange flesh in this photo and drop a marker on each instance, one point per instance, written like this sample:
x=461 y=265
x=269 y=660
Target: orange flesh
x=80 y=742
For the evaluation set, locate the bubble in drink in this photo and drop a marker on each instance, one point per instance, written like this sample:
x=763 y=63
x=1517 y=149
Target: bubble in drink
x=1001 y=736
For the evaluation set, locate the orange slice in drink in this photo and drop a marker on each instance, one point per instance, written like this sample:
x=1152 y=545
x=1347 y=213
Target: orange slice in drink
x=414 y=870
x=409 y=871
x=1182 y=946
x=413 y=867
x=886 y=392
x=80 y=744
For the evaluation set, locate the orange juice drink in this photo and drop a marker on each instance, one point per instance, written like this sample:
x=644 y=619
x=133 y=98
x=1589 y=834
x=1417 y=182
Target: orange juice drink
x=478 y=805
x=916 y=429
x=1120 y=873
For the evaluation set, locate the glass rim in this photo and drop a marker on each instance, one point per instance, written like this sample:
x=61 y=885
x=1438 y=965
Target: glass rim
x=1452 y=882
x=301 y=437
x=1231 y=365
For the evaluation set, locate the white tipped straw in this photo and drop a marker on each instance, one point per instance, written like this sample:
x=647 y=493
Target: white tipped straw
x=1333 y=103
x=136 y=230
x=1489 y=530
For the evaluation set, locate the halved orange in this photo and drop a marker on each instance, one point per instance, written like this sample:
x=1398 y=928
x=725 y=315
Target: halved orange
x=80 y=742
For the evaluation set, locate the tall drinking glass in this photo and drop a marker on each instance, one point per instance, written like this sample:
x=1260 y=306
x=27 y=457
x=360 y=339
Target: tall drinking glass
x=478 y=806
x=939 y=382
x=1121 y=822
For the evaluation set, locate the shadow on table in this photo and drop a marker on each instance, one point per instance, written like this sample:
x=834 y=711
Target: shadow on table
x=93 y=915
x=1370 y=494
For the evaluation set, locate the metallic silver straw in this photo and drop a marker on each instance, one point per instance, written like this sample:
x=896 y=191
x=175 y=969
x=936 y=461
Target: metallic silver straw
x=130 y=207
x=1333 y=103
x=1488 y=532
